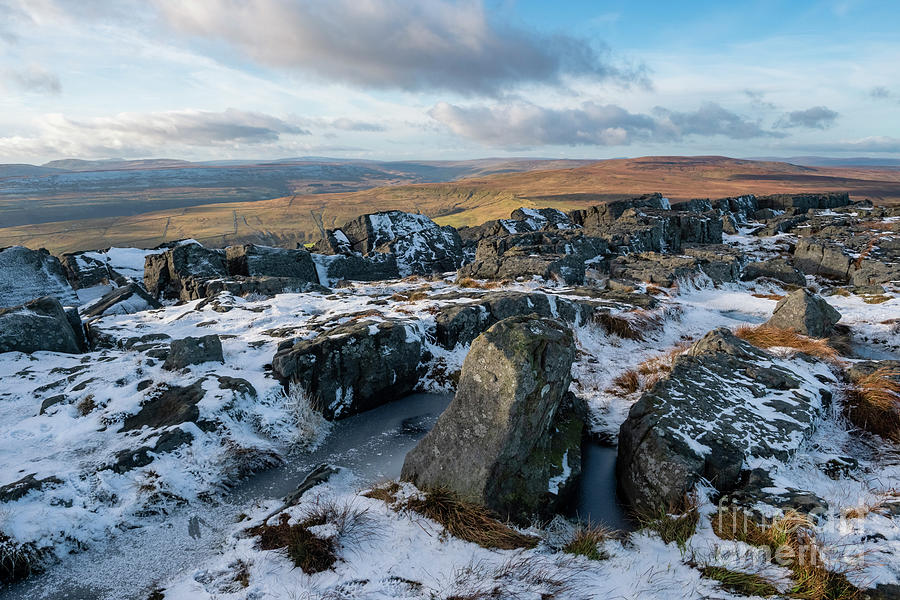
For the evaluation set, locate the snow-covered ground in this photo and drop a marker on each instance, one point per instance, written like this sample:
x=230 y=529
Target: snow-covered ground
x=176 y=524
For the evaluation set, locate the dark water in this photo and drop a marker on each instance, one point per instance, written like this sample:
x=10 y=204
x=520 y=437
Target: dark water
x=595 y=500
x=372 y=445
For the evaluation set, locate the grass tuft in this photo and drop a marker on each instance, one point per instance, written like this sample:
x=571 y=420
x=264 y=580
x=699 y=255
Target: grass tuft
x=746 y=584
x=468 y=282
x=767 y=336
x=586 y=542
x=790 y=542
x=308 y=552
x=461 y=518
x=677 y=524
x=873 y=403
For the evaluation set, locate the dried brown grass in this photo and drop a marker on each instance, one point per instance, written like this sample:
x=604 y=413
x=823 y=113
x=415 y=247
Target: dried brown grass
x=790 y=541
x=873 y=403
x=767 y=336
x=468 y=282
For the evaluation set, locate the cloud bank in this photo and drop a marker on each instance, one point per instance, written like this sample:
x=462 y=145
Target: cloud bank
x=523 y=124
x=146 y=133
x=817 y=117
x=448 y=45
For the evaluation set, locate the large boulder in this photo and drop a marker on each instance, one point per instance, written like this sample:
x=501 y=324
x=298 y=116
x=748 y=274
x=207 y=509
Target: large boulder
x=176 y=272
x=28 y=274
x=597 y=217
x=167 y=406
x=193 y=351
x=125 y=300
x=86 y=270
x=41 y=324
x=377 y=266
x=805 y=312
x=250 y=260
x=353 y=367
x=666 y=270
x=420 y=246
x=461 y=321
x=775 y=268
x=511 y=438
x=724 y=404
x=804 y=202
x=556 y=256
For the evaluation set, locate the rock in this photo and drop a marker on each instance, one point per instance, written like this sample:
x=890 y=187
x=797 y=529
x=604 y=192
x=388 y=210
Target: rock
x=759 y=488
x=460 y=323
x=41 y=324
x=739 y=208
x=666 y=270
x=780 y=224
x=175 y=273
x=168 y=441
x=804 y=202
x=553 y=256
x=511 y=438
x=193 y=351
x=28 y=274
x=536 y=219
x=18 y=489
x=353 y=367
x=822 y=259
x=882 y=591
x=723 y=403
x=805 y=312
x=352 y=267
x=597 y=217
x=420 y=246
x=125 y=300
x=776 y=268
x=86 y=271
x=698 y=205
x=250 y=261
x=261 y=285
x=172 y=405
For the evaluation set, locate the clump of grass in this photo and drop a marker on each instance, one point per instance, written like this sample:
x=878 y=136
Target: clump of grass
x=308 y=552
x=17 y=561
x=420 y=293
x=768 y=296
x=873 y=403
x=461 y=518
x=876 y=299
x=790 y=542
x=586 y=542
x=677 y=524
x=866 y=252
x=767 y=336
x=628 y=382
x=468 y=282
x=521 y=576
x=746 y=584
x=86 y=406
x=634 y=325
x=646 y=374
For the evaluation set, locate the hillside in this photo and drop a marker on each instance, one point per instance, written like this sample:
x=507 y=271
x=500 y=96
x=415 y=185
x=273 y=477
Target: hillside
x=298 y=218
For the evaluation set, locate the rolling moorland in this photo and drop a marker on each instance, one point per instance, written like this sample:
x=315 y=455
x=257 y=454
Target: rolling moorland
x=487 y=191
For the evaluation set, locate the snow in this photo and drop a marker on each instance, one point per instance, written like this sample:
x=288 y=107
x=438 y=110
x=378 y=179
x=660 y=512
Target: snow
x=148 y=511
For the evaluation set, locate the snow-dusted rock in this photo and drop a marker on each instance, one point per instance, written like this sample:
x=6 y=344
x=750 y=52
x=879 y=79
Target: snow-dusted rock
x=125 y=300
x=251 y=260
x=724 y=403
x=174 y=273
x=41 y=324
x=805 y=312
x=28 y=274
x=420 y=245
x=193 y=351
x=776 y=268
x=510 y=438
x=602 y=214
x=377 y=266
x=354 y=367
x=552 y=256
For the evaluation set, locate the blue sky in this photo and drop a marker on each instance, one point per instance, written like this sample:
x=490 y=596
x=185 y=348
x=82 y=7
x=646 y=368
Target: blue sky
x=397 y=79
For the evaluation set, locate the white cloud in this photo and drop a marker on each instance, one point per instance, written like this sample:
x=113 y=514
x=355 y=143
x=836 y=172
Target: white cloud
x=441 y=44
x=32 y=78
x=522 y=124
x=140 y=134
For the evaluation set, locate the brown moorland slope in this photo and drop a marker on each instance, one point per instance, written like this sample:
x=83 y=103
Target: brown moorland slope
x=300 y=218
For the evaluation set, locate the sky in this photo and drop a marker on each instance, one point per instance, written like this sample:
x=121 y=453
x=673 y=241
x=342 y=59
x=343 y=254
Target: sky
x=447 y=79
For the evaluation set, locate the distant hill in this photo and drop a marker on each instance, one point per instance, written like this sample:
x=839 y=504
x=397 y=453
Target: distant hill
x=298 y=218
x=115 y=164
x=823 y=161
x=27 y=171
